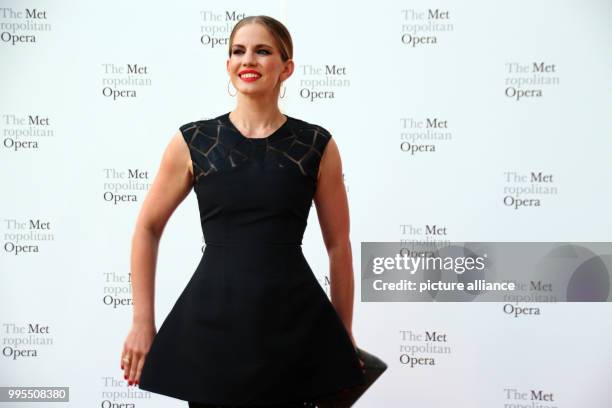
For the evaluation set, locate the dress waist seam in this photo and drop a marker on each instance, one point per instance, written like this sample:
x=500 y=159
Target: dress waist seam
x=251 y=243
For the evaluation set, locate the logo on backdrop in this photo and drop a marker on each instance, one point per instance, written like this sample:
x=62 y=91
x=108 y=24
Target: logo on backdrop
x=323 y=81
x=116 y=393
x=422 y=28
x=125 y=186
x=25 y=340
x=423 y=135
x=529 y=80
x=516 y=397
x=22 y=26
x=26 y=236
x=25 y=132
x=423 y=233
x=121 y=81
x=425 y=348
x=528 y=189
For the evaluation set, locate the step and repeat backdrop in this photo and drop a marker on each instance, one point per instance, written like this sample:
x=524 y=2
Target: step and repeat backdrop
x=473 y=121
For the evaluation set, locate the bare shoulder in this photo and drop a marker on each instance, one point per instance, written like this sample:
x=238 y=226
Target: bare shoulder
x=177 y=157
x=179 y=147
x=330 y=159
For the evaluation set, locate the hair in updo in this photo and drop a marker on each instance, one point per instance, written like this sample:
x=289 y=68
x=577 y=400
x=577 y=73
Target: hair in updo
x=275 y=27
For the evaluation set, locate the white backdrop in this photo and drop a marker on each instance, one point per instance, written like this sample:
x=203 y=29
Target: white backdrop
x=442 y=111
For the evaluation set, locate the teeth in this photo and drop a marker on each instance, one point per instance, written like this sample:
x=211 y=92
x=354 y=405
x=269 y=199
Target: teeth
x=249 y=76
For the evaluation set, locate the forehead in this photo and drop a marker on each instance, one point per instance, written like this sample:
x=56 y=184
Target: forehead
x=253 y=35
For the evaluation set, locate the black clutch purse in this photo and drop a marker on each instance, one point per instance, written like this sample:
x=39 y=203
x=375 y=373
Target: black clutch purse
x=373 y=367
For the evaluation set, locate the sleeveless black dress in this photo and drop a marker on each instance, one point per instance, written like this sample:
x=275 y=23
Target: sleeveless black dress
x=253 y=326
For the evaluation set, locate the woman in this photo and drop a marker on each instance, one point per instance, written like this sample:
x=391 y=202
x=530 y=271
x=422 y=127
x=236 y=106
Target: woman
x=252 y=327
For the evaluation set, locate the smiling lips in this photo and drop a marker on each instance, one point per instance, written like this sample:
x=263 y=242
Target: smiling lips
x=249 y=75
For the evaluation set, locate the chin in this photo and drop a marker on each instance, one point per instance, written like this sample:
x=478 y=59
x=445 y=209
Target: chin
x=252 y=92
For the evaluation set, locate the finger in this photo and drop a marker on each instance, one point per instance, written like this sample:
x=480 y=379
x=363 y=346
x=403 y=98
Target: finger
x=127 y=366
x=139 y=369
x=133 y=367
x=123 y=354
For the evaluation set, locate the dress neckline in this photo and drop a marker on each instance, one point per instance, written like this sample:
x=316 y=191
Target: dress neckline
x=272 y=136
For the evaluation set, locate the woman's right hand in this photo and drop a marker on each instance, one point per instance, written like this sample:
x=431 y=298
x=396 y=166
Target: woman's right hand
x=135 y=349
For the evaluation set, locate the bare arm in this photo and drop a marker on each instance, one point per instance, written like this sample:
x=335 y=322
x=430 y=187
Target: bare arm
x=170 y=187
x=333 y=213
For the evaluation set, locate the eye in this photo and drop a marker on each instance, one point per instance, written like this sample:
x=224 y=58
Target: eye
x=239 y=51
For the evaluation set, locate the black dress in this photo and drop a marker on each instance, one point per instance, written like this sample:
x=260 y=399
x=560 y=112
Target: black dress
x=253 y=327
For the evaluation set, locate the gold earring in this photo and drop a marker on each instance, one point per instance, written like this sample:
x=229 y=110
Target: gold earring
x=228 y=88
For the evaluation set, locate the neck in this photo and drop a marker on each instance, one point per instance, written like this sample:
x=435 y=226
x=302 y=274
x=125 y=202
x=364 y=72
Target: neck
x=254 y=117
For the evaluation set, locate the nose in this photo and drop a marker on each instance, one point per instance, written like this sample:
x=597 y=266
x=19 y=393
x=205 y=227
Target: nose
x=248 y=58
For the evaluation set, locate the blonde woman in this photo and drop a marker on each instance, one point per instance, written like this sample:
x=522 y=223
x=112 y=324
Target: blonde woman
x=253 y=327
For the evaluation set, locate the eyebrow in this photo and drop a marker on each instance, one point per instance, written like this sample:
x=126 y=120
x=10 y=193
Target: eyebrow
x=256 y=45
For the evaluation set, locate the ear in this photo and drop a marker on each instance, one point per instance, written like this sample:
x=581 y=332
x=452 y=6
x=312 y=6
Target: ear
x=289 y=67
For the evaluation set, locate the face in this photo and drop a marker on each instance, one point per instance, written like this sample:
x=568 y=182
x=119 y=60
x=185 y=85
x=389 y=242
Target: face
x=255 y=50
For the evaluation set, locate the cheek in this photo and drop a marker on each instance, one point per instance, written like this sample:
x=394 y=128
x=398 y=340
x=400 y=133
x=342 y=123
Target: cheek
x=269 y=67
